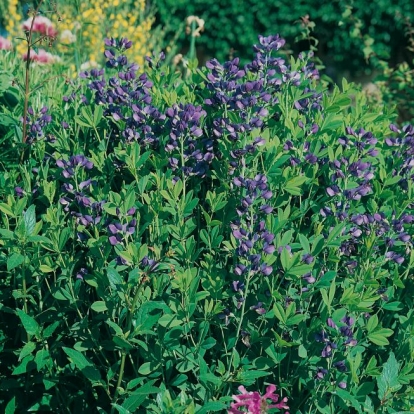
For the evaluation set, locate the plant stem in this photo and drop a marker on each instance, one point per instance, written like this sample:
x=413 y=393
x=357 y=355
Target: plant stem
x=121 y=375
x=29 y=36
x=240 y=322
x=123 y=352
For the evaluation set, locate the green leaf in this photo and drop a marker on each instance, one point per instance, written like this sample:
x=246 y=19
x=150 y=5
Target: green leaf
x=297 y=181
x=380 y=335
x=334 y=233
x=29 y=324
x=15 y=260
x=249 y=377
x=48 y=331
x=80 y=121
x=279 y=312
x=302 y=352
x=30 y=220
x=212 y=406
x=169 y=321
x=6 y=234
x=209 y=377
x=121 y=410
x=326 y=280
x=83 y=364
x=11 y=406
x=27 y=350
x=372 y=323
x=304 y=242
x=25 y=366
x=6 y=209
x=285 y=259
x=148 y=367
x=122 y=343
x=139 y=396
x=114 y=277
x=41 y=358
x=346 y=396
x=45 y=268
x=99 y=306
x=97 y=114
x=388 y=380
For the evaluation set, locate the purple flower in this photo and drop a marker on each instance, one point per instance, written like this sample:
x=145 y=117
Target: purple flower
x=397 y=258
x=226 y=315
x=340 y=366
x=82 y=272
x=327 y=350
x=266 y=269
x=320 y=373
x=321 y=337
x=309 y=278
x=238 y=286
x=307 y=258
x=259 y=308
x=19 y=192
x=331 y=323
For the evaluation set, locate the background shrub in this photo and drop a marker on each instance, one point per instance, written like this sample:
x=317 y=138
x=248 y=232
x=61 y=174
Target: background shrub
x=347 y=32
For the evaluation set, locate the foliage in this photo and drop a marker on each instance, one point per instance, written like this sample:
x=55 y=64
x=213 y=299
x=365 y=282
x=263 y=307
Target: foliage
x=187 y=245
x=346 y=31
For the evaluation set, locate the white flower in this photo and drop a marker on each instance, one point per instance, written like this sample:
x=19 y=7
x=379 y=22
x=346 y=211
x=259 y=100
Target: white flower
x=88 y=65
x=68 y=37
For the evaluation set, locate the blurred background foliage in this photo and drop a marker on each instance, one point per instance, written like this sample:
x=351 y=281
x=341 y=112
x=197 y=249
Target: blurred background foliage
x=348 y=32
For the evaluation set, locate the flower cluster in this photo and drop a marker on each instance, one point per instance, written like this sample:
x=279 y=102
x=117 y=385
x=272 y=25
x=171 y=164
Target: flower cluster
x=119 y=231
x=359 y=171
x=75 y=190
x=126 y=96
x=251 y=233
x=187 y=141
x=346 y=338
x=41 y=25
x=5 y=44
x=42 y=57
x=97 y=19
x=403 y=154
x=254 y=403
x=36 y=124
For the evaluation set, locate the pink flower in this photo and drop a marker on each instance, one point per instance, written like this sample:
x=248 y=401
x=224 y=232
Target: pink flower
x=5 y=44
x=41 y=25
x=256 y=403
x=42 y=57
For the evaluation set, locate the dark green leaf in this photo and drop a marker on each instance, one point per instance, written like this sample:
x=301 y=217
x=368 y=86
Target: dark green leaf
x=29 y=324
x=139 y=396
x=16 y=259
x=83 y=364
x=11 y=406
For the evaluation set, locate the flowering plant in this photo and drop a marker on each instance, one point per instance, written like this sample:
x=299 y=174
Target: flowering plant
x=256 y=403
x=169 y=243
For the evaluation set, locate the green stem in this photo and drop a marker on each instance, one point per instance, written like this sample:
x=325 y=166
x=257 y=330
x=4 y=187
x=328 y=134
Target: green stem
x=239 y=324
x=124 y=354
x=121 y=375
